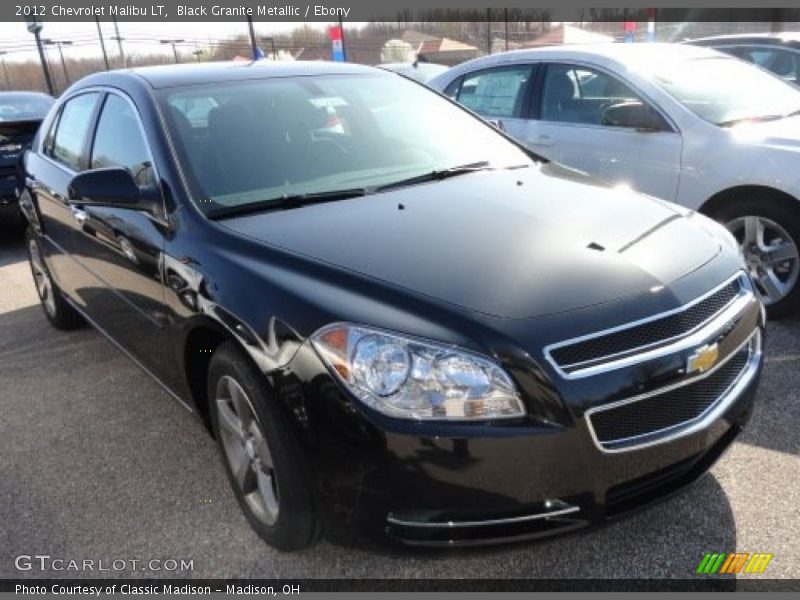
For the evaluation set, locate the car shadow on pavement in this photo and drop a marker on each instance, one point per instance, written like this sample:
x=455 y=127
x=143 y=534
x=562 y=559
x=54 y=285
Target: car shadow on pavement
x=12 y=244
x=776 y=417
x=118 y=469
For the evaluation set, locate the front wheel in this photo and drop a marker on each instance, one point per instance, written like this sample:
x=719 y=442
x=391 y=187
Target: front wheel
x=769 y=235
x=263 y=459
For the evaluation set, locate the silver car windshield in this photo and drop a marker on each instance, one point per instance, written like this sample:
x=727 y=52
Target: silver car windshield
x=724 y=90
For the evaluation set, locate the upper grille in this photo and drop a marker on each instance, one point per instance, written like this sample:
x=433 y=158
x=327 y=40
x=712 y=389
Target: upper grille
x=646 y=334
x=672 y=408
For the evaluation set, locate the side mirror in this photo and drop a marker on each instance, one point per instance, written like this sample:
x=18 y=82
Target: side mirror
x=105 y=187
x=634 y=115
x=497 y=123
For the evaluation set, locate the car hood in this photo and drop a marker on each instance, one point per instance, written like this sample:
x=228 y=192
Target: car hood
x=518 y=243
x=781 y=133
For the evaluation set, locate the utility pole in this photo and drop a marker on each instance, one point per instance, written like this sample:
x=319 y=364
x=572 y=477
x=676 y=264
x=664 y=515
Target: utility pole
x=488 y=30
x=505 y=18
x=61 y=54
x=5 y=69
x=119 y=42
x=36 y=28
x=102 y=42
x=174 y=50
x=271 y=41
x=253 y=44
x=344 y=47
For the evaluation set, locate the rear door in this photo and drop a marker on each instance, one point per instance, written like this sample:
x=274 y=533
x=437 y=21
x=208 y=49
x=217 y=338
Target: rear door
x=498 y=94
x=50 y=170
x=568 y=126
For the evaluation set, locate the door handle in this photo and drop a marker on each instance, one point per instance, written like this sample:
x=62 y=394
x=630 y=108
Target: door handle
x=543 y=140
x=79 y=215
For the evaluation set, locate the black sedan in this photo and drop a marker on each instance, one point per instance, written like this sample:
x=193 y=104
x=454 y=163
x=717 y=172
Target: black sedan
x=775 y=52
x=390 y=316
x=21 y=113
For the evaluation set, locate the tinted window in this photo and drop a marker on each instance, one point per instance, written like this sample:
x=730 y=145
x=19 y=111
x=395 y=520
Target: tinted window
x=574 y=94
x=119 y=142
x=73 y=129
x=495 y=93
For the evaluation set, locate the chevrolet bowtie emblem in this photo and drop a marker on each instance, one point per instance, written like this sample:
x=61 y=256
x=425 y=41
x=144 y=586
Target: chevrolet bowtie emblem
x=702 y=359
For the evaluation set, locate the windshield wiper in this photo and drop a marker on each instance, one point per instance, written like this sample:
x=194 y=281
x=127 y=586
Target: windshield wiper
x=285 y=202
x=439 y=174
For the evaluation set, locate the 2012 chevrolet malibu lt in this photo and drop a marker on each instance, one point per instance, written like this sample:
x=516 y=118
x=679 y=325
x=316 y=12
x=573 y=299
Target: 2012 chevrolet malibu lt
x=391 y=317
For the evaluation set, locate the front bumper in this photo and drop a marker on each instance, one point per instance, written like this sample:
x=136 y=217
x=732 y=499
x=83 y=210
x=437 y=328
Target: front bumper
x=446 y=484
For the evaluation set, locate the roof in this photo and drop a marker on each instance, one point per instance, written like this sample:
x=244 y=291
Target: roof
x=616 y=55
x=197 y=73
x=790 y=37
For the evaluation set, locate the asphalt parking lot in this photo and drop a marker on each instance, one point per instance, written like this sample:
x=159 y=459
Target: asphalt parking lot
x=98 y=462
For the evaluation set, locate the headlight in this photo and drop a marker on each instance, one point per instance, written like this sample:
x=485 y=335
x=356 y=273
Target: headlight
x=414 y=379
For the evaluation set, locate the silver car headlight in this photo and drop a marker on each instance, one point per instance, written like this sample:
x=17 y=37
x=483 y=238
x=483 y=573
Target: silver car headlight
x=413 y=379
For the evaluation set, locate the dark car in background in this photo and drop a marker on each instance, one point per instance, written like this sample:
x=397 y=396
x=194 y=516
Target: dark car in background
x=405 y=323
x=775 y=52
x=21 y=113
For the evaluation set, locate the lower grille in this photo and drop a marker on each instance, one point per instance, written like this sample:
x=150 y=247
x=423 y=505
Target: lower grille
x=628 y=423
x=631 y=495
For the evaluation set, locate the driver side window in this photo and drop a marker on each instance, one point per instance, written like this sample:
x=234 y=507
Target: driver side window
x=577 y=94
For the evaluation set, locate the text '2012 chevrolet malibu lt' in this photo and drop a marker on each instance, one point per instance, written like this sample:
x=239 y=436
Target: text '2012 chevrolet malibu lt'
x=390 y=315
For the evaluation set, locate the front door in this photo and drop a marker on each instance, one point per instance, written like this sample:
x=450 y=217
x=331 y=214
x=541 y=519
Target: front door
x=120 y=249
x=570 y=129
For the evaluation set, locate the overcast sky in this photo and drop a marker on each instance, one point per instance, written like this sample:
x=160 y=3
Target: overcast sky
x=140 y=37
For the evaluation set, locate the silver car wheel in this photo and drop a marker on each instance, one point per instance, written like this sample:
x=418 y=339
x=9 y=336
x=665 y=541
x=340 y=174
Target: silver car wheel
x=246 y=450
x=772 y=256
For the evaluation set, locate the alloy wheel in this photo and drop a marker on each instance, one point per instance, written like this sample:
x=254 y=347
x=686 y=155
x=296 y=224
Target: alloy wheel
x=771 y=255
x=246 y=450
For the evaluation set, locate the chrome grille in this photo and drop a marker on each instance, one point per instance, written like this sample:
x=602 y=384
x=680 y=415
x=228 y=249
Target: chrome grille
x=582 y=353
x=632 y=422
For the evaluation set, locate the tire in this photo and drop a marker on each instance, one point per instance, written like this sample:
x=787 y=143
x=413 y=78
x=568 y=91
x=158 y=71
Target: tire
x=57 y=310
x=763 y=226
x=262 y=457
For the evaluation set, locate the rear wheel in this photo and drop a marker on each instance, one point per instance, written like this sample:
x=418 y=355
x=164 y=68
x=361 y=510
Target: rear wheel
x=769 y=235
x=262 y=457
x=57 y=310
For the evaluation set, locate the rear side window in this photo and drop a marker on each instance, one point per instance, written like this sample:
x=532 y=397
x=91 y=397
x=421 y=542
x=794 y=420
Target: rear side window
x=119 y=141
x=495 y=92
x=74 y=125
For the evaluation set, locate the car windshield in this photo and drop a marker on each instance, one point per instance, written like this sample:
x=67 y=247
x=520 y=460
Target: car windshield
x=24 y=107
x=725 y=90
x=253 y=142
